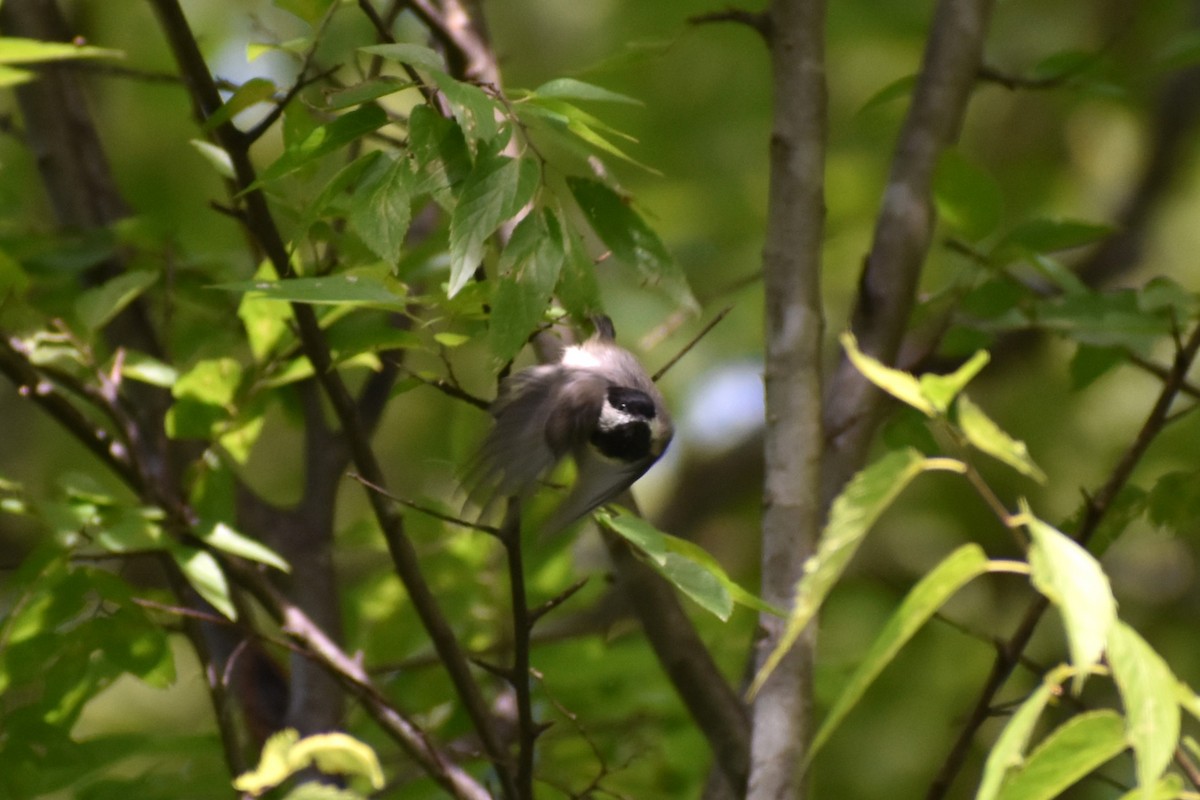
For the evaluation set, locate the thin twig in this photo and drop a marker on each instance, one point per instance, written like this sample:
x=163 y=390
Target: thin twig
x=451 y=390
x=30 y=384
x=554 y=602
x=431 y=512
x=510 y=535
x=695 y=340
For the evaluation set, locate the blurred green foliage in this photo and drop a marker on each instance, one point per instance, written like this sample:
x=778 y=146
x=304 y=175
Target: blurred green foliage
x=1040 y=177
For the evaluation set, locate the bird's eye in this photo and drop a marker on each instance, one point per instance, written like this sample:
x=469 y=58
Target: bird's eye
x=631 y=401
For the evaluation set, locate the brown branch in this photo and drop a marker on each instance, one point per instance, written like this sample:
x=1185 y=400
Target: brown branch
x=518 y=674
x=46 y=395
x=903 y=229
x=352 y=675
x=262 y=227
x=1009 y=653
x=687 y=663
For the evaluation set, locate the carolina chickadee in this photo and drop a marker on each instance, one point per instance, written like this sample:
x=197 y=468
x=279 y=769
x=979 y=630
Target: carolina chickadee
x=596 y=404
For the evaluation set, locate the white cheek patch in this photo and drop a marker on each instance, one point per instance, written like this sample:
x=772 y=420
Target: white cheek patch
x=578 y=358
x=613 y=417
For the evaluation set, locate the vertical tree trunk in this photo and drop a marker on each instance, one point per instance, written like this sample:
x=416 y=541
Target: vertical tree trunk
x=782 y=711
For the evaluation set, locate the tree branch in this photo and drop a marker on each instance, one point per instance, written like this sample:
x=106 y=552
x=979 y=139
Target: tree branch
x=518 y=675
x=782 y=710
x=687 y=663
x=351 y=674
x=262 y=227
x=888 y=283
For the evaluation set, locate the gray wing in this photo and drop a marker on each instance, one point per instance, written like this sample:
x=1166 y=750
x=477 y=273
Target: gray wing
x=597 y=481
x=541 y=414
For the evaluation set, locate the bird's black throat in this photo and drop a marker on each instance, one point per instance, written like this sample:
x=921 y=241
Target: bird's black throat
x=629 y=441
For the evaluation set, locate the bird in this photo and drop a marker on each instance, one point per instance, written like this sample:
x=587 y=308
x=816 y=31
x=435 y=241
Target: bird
x=596 y=404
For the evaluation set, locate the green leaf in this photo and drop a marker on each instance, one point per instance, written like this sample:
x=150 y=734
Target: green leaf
x=311 y=11
x=986 y=435
x=325 y=139
x=1089 y=363
x=572 y=89
x=451 y=339
x=380 y=208
x=285 y=754
x=343 y=289
x=1073 y=580
x=495 y=190
x=855 y=510
x=11 y=76
x=668 y=555
x=1047 y=236
x=898 y=383
x=368 y=333
x=414 y=55
x=15 y=50
x=1057 y=273
x=252 y=92
x=1174 y=502
x=529 y=269
x=930 y=594
x=274 y=765
x=206 y=577
x=901 y=87
x=131 y=530
x=366 y=91
x=203 y=398
x=212 y=381
x=1064 y=64
x=1008 y=753
x=220 y=536
x=322 y=791
x=739 y=595
x=697 y=583
x=339 y=754
x=629 y=237
x=646 y=538
x=1163 y=296
x=345 y=180
x=578 y=289
x=97 y=307
x=1104 y=319
x=267 y=322
x=472 y=107
x=1148 y=692
x=561 y=116
x=13 y=280
x=443 y=158
x=967 y=197
x=940 y=390
x=1170 y=787
x=216 y=156
x=141 y=367
x=1078 y=746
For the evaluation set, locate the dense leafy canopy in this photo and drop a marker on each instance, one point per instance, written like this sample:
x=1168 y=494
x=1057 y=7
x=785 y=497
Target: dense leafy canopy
x=249 y=320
